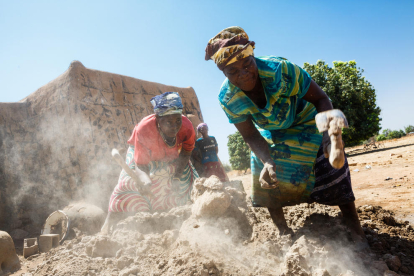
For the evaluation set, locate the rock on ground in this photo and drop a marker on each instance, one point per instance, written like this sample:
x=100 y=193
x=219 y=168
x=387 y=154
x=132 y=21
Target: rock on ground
x=85 y=217
x=8 y=258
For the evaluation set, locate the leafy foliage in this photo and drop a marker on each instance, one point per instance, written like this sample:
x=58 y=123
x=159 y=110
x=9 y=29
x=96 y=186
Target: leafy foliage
x=409 y=129
x=239 y=152
x=396 y=134
x=386 y=132
x=390 y=134
x=351 y=93
x=381 y=137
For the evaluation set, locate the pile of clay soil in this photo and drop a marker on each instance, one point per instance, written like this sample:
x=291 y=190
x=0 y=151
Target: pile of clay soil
x=220 y=234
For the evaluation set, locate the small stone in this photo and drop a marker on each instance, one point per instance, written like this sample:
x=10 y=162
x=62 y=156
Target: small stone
x=213 y=183
x=123 y=262
x=404 y=269
x=119 y=253
x=226 y=231
x=390 y=273
x=393 y=262
x=86 y=239
x=380 y=266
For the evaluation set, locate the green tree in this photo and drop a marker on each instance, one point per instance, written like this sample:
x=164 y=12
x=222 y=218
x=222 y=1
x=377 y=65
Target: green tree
x=350 y=92
x=381 y=137
x=239 y=152
x=386 y=132
x=409 y=129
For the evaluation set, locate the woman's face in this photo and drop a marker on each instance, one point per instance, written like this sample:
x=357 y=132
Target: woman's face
x=203 y=130
x=242 y=73
x=170 y=124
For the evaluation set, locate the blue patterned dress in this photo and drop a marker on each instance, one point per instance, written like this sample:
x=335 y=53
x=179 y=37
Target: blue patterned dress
x=287 y=123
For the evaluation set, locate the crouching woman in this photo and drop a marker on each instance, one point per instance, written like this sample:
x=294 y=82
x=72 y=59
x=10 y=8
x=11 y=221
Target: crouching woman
x=159 y=153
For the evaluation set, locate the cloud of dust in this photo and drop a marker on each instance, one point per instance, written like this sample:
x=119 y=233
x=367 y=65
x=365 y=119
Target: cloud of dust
x=49 y=166
x=277 y=255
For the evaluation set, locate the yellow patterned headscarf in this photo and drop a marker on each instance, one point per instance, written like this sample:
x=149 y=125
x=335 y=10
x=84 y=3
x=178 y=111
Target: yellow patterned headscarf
x=228 y=46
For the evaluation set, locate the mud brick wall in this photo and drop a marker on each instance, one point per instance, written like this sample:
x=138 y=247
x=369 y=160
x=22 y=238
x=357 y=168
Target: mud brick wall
x=55 y=144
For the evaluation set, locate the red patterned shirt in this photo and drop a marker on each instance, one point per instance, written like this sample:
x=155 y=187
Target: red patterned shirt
x=149 y=145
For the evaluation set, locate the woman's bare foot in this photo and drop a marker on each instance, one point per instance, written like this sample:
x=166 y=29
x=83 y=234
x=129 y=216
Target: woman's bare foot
x=350 y=216
x=280 y=222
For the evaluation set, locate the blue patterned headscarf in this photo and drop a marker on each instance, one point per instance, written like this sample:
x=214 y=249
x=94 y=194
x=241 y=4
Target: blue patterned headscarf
x=167 y=103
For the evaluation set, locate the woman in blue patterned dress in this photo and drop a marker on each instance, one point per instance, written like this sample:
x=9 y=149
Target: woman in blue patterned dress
x=273 y=104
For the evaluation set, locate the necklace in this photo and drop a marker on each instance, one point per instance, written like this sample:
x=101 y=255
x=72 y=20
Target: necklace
x=171 y=143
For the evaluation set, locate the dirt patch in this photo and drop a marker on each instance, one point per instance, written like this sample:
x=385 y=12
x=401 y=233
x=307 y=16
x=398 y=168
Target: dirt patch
x=180 y=243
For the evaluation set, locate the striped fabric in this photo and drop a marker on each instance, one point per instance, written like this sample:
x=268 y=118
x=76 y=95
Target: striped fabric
x=332 y=186
x=126 y=198
x=215 y=168
x=294 y=151
x=287 y=124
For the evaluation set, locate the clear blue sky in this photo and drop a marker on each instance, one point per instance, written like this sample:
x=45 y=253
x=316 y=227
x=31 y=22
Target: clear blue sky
x=164 y=41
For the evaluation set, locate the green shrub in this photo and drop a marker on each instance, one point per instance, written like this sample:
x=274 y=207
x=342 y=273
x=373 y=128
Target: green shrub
x=239 y=152
x=409 y=129
x=381 y=137
x=386 y=132
x=394 y=134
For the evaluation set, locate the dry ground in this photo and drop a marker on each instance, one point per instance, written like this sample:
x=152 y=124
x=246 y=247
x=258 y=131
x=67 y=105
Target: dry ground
x=370 y=184
x=158 y=244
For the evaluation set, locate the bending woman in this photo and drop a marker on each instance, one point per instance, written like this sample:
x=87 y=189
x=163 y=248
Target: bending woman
x=273 y=103
x=159 y=152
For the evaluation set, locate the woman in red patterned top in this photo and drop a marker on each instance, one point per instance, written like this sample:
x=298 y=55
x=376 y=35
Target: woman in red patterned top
x=159 y=153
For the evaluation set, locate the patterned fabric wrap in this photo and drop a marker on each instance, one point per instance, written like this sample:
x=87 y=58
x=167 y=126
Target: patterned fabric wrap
x=167 y=103
x=294 y=151
x=228 y=46
x=201 y=125
x=215 y=168
x=332 y=186
x=287 y=124
x=167 y=194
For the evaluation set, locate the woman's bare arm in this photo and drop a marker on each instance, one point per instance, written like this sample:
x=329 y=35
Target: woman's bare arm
x=260 y=147
x=318 y=98
x=181 y=162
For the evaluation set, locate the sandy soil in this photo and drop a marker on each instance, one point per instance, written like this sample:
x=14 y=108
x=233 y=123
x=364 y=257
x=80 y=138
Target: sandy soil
x=240 y=240
x=395 y=160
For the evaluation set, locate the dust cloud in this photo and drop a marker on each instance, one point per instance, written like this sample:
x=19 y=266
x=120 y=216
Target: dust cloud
x=235 y=240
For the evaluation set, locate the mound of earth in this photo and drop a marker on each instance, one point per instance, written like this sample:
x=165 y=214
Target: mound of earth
x=237 y=240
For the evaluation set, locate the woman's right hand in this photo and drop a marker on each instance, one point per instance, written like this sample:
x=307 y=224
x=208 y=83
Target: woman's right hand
x=268 y=179
x=145 y=186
